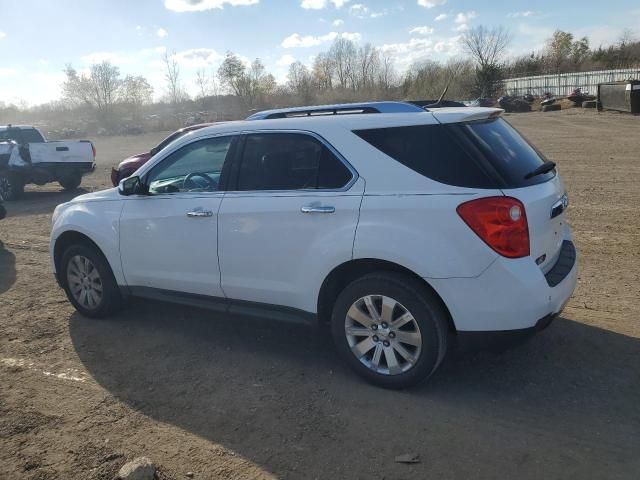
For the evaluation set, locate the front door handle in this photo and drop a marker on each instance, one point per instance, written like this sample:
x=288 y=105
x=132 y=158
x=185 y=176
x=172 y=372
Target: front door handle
x=317 y=209
x=199 y=212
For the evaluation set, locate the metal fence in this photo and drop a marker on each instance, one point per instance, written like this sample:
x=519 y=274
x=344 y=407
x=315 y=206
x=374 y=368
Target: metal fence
x=562 y=84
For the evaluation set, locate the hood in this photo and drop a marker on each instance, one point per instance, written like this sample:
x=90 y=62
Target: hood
x=103 y=195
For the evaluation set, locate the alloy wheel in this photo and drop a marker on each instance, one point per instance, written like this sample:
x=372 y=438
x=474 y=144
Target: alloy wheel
x=84 y=282
x=383 y=335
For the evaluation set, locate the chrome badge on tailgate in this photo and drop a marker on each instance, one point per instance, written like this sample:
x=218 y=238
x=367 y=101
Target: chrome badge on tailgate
x=560 y=206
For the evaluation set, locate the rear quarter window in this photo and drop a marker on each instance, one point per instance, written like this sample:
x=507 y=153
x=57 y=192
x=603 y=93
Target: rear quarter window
x=431 y=151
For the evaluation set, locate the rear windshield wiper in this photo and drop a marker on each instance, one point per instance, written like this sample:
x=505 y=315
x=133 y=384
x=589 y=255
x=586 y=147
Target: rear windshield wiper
x=546 y=167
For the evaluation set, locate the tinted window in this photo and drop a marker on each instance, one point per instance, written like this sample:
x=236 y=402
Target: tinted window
x=10 y=134
x=432 y=151
x=288 y=161
x=507 y=151
x=196 y=167
x=31 y=135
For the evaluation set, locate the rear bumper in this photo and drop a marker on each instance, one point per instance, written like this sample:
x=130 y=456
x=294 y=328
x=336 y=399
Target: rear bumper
x=511 y=294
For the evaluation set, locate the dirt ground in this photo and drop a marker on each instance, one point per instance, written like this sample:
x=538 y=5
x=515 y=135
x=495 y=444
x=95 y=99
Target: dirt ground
x=234 y=398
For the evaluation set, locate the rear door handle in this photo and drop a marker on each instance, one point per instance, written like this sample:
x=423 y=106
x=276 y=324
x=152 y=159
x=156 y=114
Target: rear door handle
x=62 y=149
x=317 y=209
x=199 y=212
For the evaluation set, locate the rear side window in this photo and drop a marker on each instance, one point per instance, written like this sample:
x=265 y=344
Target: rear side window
x=506 y=150
x=31 y=135
x=289 y=161
x=432 y=151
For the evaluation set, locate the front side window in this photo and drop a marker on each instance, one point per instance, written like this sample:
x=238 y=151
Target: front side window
x=196 y=167
x=289 y=161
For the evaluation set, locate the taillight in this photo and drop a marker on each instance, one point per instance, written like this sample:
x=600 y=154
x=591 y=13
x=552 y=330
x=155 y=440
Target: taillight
x=93 y=148
x=500 y=222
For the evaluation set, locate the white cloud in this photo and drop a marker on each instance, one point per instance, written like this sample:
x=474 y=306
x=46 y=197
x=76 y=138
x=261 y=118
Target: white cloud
x=198 y=57
x=463 y=17
x=431 y=3
x=526 y=13
x=296 y=40
x=161 y=32
x=462 y=27
x=112 y=57
x=202 y=5
x=285 y=60
x=338 y=23
x=442 y=16
x=354 y=37
x=8 y=72
x=360 y=10
x=320 y=4
x=423 y=30
x=2 y=34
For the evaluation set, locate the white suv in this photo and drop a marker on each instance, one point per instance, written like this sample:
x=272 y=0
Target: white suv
x=398 y=229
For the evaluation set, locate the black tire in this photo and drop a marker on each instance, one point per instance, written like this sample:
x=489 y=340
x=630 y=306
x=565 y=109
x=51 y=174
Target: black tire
x=11 y=186
x=551 y=108
x=111 y=298
x=589 y=104
x=425 y=307
x=70 y=180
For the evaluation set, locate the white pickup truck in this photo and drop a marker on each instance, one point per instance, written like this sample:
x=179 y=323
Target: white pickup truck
x=27 y=157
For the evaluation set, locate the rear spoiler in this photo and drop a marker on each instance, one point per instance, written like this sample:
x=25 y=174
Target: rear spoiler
x=469 y=114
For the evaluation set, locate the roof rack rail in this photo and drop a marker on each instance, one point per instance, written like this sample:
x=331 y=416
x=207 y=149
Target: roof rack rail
x=338 y=109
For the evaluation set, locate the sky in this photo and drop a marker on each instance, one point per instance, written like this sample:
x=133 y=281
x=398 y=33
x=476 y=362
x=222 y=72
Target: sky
x=39 y=37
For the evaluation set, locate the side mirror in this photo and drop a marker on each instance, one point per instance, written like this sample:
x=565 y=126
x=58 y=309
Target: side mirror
x=153 y=151
x=131 y=186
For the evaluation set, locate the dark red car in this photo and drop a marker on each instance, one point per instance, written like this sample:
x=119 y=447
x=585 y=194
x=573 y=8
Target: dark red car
x=129 y=165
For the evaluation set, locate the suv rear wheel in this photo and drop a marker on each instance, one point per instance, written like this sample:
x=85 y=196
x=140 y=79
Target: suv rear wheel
x=89 y=282
x=390 y=329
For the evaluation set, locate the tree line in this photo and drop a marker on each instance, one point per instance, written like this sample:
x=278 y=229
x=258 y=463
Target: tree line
x=346 y=72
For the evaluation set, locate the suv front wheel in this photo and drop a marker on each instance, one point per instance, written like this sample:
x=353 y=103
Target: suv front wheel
x=390 y=329
x=89 y=282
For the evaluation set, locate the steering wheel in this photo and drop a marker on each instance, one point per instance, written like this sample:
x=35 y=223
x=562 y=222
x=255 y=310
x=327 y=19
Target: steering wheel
x=211 y=183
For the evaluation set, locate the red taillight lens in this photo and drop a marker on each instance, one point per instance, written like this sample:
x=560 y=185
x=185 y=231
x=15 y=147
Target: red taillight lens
x=500 y=222
x=93 y=147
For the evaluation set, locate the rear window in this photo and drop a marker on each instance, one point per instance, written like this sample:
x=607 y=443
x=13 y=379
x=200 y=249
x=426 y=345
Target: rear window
x=507 y=151
x=31 y=135
x=480 y=154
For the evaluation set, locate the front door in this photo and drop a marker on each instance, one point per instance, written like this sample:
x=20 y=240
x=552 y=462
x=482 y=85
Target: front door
x=168 y=239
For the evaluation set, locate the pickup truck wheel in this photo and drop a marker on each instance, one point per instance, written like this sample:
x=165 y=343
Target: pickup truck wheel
x=70 y=181
x=89 y=282
x=11 y=186
x=390 y=329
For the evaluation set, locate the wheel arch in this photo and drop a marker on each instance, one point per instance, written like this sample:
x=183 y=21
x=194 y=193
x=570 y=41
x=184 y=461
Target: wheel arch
x=64 y=241
x=347 y=272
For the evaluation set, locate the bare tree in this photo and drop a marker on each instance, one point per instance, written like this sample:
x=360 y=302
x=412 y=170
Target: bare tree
x=323 y=71
x=136 y=92
x=342 y=54
x=99 y=89
x=300 y=81
x=487 y=46
x=172 y=77
x=386 y=73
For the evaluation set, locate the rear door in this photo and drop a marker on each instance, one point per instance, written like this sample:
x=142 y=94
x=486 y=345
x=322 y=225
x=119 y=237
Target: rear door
x=292 y=214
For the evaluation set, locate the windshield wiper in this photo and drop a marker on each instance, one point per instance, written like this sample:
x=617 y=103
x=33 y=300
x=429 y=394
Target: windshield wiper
x=546 y=167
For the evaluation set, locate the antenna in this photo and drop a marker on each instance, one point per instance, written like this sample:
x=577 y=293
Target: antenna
x=444 y=92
